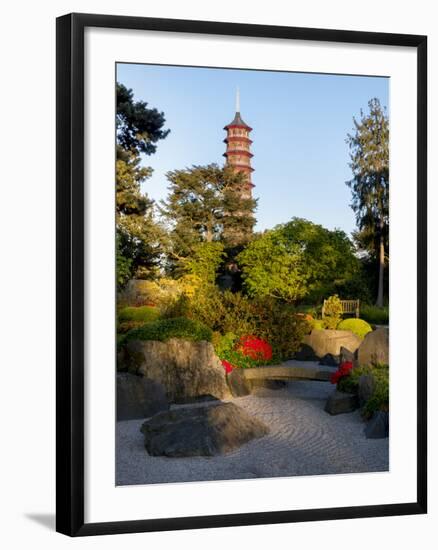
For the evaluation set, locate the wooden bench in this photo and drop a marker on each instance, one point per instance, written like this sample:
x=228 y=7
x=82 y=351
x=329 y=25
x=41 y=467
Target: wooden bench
x=350 y=307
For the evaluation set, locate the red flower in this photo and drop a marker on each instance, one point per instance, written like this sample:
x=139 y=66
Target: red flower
x=227 y=366
x=255 y=348
x=343 y=370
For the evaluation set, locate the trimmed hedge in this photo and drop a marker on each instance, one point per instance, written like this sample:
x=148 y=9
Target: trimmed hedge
x=144 y=314
x=375 y=315
x=360 y=327
x=164 y=329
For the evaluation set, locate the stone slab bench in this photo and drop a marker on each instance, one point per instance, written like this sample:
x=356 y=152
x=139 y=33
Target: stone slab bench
x=240 y=380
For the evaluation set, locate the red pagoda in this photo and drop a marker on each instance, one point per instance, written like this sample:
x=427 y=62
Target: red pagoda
x=238 y=153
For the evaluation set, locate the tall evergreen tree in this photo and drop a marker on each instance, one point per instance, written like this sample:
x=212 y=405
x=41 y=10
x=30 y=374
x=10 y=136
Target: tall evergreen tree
x=138 y=129
x=369 y=154
x=205 y=204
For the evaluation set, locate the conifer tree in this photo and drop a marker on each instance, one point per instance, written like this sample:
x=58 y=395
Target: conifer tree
x=205 y=204
x=138 y=130
x=369 y=154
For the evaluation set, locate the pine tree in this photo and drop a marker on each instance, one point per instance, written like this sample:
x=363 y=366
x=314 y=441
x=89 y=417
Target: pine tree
x=369 y=154
x=138 y=235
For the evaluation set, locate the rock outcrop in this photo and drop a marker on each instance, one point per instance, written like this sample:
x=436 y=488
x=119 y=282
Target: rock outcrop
x=139 y=397
x=186 y=369
x=324 y=342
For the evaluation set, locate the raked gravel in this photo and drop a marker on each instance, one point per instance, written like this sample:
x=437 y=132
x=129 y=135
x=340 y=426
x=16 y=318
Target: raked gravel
x=303 y=440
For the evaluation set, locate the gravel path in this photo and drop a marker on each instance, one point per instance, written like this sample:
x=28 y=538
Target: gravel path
x=304 y=440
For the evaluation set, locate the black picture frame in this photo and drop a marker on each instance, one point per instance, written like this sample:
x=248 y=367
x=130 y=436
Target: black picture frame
x=70 y=273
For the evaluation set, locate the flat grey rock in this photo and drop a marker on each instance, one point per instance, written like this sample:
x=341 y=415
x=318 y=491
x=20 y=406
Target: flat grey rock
x=200 y=431
x=340 y=402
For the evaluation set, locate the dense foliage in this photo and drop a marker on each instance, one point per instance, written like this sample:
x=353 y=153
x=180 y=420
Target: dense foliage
x=375 y=315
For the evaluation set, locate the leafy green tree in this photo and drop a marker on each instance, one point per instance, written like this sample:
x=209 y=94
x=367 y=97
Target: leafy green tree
x=204 y=205
x=138 y=235
x=273 y=266
x=369 y=154
x=205 y=261
x=296 y=260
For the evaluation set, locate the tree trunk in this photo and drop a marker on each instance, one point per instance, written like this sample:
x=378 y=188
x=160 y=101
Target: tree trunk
x=379 y=301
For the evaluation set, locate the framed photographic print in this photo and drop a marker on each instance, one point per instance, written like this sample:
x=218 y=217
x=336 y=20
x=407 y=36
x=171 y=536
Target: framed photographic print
x=241 y=274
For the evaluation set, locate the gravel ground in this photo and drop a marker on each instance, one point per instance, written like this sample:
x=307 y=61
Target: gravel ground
x=303 y=440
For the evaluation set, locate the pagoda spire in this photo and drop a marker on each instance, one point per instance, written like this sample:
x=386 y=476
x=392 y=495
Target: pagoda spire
x=238 y=152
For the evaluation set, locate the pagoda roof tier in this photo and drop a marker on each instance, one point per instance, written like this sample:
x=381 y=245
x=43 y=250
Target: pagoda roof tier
x=238 y=152
x=238 y=138
x=238 y=122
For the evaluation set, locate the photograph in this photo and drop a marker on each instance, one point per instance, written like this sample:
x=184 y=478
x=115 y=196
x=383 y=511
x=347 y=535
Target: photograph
x=252 y=274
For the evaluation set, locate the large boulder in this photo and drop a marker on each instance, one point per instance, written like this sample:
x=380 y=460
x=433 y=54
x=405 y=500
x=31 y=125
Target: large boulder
x=325 y=342
x=139 y=397
x=378 y=426
x=200 y=431
x=374 y=348
x=339 y=402
x=186 y=369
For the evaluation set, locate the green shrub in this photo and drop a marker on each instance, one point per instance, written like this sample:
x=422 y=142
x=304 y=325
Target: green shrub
x=358 y=326
x=375 y=315
x=279 y=324
x=129 y=318
x=224 y=311
x=144 y=314
x=164 y=329
x=318 y=324
x=380 y=397
x=223 y=343
x=332 y=312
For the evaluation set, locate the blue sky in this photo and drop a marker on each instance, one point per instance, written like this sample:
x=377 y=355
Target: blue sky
x=299 y=120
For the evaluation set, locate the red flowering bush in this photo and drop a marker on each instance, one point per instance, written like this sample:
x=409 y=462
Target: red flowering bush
x=247 y=352
x=255 y=348
x=343 y=370
x=227 y=366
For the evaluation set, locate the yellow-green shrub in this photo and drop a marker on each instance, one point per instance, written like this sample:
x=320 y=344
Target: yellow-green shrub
x=358 y=326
